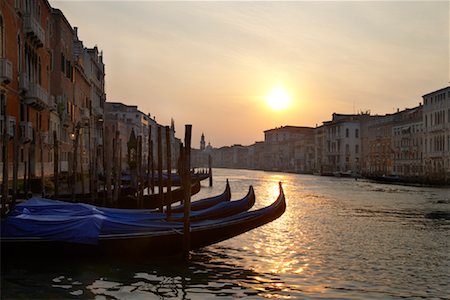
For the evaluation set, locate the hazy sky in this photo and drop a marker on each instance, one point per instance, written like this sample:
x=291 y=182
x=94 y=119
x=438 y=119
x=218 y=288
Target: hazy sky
x=211 y=64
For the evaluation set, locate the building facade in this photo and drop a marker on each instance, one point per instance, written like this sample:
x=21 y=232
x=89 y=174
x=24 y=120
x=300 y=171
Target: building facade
x=436 y=128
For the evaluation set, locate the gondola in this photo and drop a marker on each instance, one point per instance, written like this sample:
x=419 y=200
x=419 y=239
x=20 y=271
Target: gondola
x=220 y=210
x=131 y=235
x=208 y=202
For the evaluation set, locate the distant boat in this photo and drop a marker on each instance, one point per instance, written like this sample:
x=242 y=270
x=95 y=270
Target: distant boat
x=345 y=174
x=88 y=232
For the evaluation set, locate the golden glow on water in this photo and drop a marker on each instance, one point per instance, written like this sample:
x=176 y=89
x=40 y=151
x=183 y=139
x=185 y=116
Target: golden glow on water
x=337 y=239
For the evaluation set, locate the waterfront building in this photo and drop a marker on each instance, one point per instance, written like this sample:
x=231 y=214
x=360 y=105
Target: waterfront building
x=126 y=118
x=290 y=148
x=94 y=70
x=318 y=150
x=235 y=156
x=256 y=153
x=342 y=144
x=379 y=157
x=62 y=39
x=436 y=146
x=407 y=135
x=25 y=82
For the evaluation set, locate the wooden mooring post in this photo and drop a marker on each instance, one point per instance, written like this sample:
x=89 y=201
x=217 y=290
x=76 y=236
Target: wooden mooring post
x=150 y=170
x=55 y=163
x=117 y=166
x=187 y=192
x=160 y=175
x=74 y=164
x=169 y=172
x=139 y=171
x=210 y=170
x=107 y=164
x=15 y=168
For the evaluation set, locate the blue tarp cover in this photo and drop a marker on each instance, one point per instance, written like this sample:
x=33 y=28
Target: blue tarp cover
x=77 y=222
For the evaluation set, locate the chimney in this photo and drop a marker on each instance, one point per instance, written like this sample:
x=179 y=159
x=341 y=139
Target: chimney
x=76 y=31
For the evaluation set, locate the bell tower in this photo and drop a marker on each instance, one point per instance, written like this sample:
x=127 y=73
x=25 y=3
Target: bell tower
x=202 y=142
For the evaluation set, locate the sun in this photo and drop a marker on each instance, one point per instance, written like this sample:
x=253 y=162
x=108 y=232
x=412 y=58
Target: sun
x=278 y=98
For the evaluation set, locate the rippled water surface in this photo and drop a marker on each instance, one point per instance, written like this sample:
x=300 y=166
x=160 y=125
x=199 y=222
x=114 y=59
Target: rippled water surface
x=339 y=238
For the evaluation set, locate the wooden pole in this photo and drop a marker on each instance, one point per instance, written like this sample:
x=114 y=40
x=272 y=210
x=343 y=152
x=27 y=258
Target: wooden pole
x=119 y=174
x=187 y=193
x=91 y=154
x=31 y=147
x=41 y=154
x=116 y=159
x=149 y=158
x=180 y=168
x=81 y=162
x=160 y=177
x=74 y=165
x=95 y=181
x=169 y=172
x=25 y=168
x=55 y=163
x=114 y=168
x=210 y=170
x=139 y=171
x=4 y=159
x=15 y=167
x=152 y=161
x=107 y=163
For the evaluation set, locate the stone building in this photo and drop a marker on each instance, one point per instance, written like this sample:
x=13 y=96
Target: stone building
x=127 y=118
x=407 y=134
x=289 y=148
x=436 y=146
x=342 y=144
x=25 y=64
x=379 y=157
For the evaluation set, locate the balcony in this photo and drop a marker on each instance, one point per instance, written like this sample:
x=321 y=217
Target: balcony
x=37 y=97
x=5 y=71
x=33 y=30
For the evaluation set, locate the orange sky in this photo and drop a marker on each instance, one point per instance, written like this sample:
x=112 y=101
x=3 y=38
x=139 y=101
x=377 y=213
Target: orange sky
x=212 y=64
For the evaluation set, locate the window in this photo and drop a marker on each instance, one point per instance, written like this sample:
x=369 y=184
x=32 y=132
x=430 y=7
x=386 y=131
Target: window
x=19 y=54
x=63 y=63
x=356 y=133
x=356 y=148
x=346 y=132
x=39 y=71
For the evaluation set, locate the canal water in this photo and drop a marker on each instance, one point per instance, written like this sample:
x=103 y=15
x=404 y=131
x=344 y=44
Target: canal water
x=338 y=239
